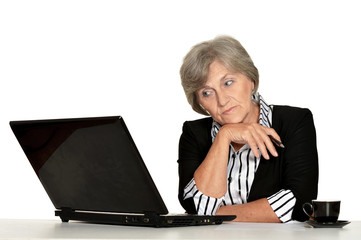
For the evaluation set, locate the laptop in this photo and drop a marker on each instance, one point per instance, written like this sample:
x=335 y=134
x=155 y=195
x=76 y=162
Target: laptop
x=93 y=172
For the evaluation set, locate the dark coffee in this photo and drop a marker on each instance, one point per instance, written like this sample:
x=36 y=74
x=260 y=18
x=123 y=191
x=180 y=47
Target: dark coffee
x=323 y=211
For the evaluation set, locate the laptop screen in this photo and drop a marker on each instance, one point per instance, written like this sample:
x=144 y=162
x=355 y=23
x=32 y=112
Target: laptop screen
x=89 y=164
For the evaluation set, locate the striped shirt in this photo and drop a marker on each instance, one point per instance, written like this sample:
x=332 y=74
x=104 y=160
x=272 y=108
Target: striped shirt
x=241 y=169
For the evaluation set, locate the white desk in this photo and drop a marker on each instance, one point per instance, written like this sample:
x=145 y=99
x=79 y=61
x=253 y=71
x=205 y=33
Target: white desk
x=53 y=229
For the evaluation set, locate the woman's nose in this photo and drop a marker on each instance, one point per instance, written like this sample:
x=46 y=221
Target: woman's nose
x=222 y=99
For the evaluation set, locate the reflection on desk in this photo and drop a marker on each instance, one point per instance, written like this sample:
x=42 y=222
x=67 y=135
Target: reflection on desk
x=53 y=229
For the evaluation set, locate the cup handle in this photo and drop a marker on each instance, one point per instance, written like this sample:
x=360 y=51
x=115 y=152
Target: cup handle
x=309 y=205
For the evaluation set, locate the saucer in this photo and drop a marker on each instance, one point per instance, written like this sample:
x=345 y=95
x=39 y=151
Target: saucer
x=338 y=224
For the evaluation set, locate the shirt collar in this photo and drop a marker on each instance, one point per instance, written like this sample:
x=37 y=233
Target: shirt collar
x=265 y=115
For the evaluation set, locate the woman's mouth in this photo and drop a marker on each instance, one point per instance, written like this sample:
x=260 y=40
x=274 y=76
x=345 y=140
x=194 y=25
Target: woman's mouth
x=229 y=110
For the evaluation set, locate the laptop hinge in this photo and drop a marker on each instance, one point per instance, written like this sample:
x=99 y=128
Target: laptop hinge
x=151 y=214
x=152 y=217
x=64 y=213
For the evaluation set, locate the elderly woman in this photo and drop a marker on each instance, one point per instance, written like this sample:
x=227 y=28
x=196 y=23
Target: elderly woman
x=249 y=158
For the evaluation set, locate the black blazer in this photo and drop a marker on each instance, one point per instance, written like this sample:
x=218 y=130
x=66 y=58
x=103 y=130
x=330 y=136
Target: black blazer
x=296 y=167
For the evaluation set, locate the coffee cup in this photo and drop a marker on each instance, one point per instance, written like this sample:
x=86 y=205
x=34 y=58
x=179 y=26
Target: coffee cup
x=322 y=211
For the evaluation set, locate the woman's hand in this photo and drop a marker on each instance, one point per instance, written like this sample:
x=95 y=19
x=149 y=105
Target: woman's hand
x=256 y=211
x=253 y=134
x=211 y=175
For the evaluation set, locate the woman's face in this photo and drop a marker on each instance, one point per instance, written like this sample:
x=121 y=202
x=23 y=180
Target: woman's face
x=227 y=95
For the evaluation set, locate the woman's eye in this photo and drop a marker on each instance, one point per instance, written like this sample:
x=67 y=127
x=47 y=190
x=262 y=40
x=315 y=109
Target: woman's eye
x=228 y=82
x=206 y=93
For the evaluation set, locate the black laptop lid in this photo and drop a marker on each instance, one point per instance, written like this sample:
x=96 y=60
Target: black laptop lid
x=89 y=164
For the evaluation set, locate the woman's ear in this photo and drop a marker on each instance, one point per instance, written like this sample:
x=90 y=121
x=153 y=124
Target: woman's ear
x=253 y=90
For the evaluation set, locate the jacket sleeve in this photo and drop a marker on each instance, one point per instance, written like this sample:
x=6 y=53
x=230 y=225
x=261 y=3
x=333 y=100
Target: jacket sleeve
x=190 y=156
x=300 y=173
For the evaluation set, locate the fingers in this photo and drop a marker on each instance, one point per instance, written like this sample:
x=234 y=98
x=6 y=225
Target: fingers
x=273 y=133
x=254 y=147
x=257 y=144
x=265 y=143
x=258 y=138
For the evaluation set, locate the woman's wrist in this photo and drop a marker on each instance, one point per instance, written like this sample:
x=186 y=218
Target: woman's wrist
x=223 y=135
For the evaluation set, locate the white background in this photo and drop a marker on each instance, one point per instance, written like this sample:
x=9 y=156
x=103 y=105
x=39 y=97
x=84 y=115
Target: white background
x=96 y=58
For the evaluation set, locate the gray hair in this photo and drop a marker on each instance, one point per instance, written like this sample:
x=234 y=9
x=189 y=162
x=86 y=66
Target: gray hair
x=195 y=67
